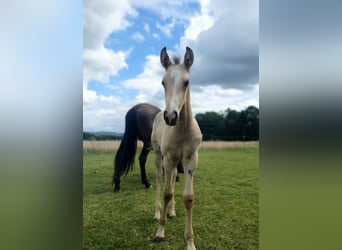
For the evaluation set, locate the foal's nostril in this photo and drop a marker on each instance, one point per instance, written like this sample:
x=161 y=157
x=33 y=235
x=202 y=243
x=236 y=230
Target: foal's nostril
x=170 y=118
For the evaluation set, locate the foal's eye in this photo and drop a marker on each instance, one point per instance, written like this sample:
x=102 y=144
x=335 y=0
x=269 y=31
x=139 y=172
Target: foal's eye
x=186 y=83
x=163 y=83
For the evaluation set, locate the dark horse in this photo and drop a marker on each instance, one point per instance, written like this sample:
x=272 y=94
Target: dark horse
x=139 y=121
x=138 y=125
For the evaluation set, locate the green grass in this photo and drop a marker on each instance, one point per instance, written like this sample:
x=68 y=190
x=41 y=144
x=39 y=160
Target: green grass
x=225 y=212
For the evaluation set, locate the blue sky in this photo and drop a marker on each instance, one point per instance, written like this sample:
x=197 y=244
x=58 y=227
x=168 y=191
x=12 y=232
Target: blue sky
x=123 y=39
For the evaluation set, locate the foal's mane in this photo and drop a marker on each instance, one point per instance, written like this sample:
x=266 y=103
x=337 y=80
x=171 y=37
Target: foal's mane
x=176 y=59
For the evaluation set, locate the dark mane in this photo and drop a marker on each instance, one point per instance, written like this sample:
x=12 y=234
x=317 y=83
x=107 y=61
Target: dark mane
x=176 y=59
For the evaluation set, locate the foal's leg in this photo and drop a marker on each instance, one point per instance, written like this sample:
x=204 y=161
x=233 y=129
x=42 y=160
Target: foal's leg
x=168 y=196
x=159 y=174
x=172 y=211
x=190 y=165
x=142 y=162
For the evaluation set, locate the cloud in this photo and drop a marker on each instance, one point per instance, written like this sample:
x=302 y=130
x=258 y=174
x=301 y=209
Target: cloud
x=105 y=114
x=227 y=52
x=100 y=63
x=167 y=28
x=199 y=22
x=102 y=17
x=181 y=10
x=217 y=98
x=137 y=36
x=156 y=36
x=147 y=28
x=150 y=79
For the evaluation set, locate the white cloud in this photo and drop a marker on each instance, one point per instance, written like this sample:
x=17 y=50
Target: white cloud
x=101 y=17
x=216 y=98
x=198 y=24
x=147 y=28
x=89 y=96
x=137 y=36
x=150 y=79
x=100 y=63
x=227 y=47
x=156 y=36
x=167 y=28
x=166 y=9
x=103 y=113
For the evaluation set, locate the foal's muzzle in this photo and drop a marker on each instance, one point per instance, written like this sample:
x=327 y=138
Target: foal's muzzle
x=170 y=118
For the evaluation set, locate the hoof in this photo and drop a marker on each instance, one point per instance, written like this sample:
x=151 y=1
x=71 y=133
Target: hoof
x=148 y=185
x=156 y=220
x=171 y=217
x=117 y=190
x=158 y=239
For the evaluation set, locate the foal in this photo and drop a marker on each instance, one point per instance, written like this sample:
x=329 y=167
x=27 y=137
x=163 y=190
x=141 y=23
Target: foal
x=176 y=138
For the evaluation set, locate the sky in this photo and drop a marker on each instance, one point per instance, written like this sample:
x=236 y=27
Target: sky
x=121 y=47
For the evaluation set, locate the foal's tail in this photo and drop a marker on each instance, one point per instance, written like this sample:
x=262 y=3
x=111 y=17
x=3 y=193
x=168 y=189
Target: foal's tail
x=124 y=158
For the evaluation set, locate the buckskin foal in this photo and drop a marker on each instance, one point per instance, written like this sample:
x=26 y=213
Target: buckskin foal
x=176 y=138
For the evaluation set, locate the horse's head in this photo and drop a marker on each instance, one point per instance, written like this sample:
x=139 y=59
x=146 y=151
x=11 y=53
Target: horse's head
x=176 y=84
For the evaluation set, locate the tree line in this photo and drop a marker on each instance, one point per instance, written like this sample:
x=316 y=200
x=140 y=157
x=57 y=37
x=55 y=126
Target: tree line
x=103 y=136
x=230 y=125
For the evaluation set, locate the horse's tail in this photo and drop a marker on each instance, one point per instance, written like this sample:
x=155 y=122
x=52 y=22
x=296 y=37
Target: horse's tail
x=124 y=158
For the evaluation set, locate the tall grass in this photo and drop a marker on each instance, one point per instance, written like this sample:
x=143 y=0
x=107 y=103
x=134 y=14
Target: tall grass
x=225 y=212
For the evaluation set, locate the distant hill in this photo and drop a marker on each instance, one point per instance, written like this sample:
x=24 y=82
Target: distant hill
x=102 y=136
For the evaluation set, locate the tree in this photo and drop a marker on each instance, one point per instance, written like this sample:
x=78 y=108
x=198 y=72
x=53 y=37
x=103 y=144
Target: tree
x=211 y=124
x=230 y=125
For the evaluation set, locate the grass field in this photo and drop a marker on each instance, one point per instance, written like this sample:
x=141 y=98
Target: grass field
x=225 y=213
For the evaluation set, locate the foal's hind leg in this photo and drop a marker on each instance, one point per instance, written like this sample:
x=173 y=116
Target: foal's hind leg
x=142 y=162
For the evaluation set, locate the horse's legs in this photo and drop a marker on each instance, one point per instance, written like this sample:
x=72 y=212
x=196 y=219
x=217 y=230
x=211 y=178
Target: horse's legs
x=172 y=211
x=159 y=174
x=179 y=170
x=168 y=196
x=189 y=164
x=116 y=182
x=142 y=162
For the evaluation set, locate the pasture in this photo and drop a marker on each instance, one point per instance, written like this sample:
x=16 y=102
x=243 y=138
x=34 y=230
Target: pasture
x=225 y=213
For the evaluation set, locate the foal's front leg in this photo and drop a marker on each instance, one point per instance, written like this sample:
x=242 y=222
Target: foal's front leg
x=168 y=196
x=159 y=174
x=172 y=209
x=190 y=165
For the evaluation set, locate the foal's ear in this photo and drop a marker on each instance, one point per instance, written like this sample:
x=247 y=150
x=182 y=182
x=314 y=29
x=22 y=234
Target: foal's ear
x=164 y=58
x=188 y=58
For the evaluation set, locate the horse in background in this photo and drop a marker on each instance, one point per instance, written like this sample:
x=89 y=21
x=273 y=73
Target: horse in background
x=176 y=138
x=138 y=125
